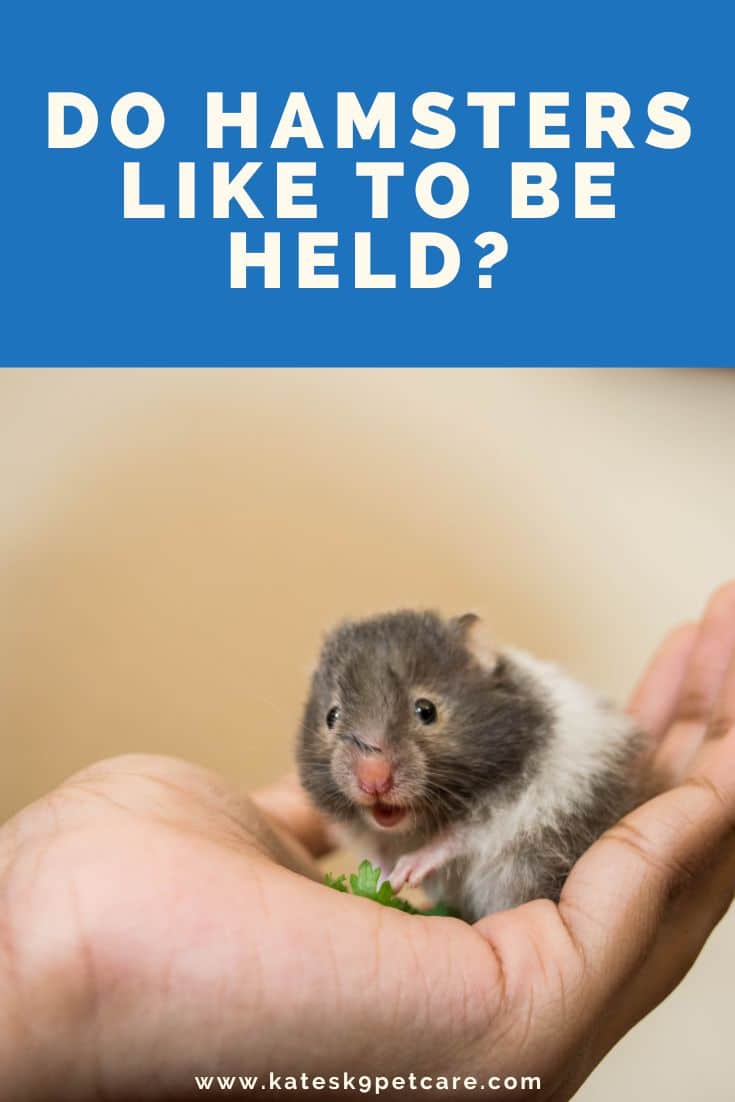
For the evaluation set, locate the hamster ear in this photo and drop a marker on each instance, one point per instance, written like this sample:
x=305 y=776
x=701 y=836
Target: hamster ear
x=465 y=623
x=476 y=640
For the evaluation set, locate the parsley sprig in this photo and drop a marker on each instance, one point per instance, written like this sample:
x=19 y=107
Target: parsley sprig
x=365 y=883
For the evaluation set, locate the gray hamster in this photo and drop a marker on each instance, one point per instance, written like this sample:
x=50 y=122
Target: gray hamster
x=481 y=774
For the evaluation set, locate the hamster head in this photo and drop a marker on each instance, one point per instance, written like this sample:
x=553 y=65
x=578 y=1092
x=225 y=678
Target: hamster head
x=395 y=728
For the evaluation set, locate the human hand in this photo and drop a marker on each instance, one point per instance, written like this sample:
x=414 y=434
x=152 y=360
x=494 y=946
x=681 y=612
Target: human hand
x=155 y=925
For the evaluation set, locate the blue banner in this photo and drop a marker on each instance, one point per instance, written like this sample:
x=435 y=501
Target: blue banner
x=379 y=184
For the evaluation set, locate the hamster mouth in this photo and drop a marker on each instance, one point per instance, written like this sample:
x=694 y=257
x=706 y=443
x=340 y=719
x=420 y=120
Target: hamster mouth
x=387 y=815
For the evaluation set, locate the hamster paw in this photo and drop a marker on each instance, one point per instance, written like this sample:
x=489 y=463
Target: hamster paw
x=412 y=868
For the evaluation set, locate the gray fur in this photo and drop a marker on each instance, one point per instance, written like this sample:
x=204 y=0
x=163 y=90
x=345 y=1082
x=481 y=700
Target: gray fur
x=497 y=741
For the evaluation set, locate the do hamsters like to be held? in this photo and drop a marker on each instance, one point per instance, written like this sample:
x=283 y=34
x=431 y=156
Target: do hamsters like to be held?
x=482 y=774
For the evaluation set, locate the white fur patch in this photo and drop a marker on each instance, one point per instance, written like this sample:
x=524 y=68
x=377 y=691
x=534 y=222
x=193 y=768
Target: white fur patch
x=586 y=737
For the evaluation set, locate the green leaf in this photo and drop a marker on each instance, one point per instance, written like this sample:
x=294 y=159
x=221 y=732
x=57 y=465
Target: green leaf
x=365 y=884
x=385 y=893
x=366 y=881
x=336 y=882
x=442 y=910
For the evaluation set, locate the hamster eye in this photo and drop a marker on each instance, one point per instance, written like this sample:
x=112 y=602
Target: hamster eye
x=332 y=716
x=425 y=710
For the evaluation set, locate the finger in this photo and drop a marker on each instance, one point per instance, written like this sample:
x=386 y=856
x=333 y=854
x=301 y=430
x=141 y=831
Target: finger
x=629 y=882
x=710 y=658
x=654 y=698
x=286 y=802
x=674 y=951
x=721 y=725
x=724 y=712
x=679 y=942
x=187 y=795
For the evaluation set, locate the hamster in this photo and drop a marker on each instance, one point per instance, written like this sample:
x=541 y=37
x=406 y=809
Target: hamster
x=482 y=774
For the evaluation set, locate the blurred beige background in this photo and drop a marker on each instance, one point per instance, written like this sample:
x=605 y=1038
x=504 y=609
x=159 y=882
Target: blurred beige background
x=172 y=544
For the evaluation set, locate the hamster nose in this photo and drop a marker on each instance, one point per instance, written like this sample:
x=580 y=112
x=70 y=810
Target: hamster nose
x=374 y=776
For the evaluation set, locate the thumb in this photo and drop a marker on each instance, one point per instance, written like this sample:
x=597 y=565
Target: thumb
x=286 y=803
